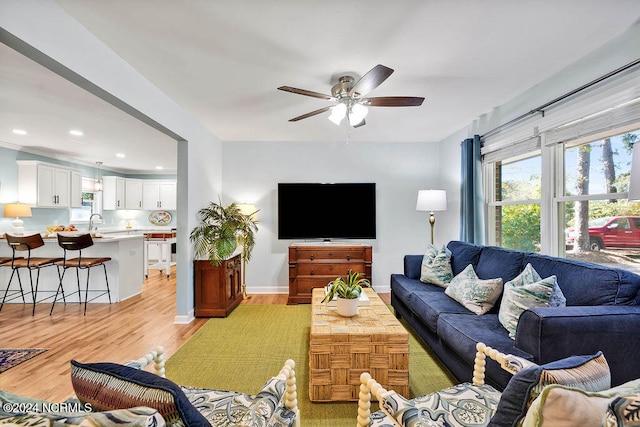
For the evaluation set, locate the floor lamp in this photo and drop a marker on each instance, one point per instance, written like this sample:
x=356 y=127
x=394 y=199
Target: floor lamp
x=246 y=209
x=432 y=201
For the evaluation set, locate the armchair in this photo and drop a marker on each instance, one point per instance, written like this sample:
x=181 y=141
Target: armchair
x=477 y=403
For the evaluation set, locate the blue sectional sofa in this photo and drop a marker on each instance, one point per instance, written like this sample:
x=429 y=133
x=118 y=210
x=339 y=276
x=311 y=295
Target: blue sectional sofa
x=602 y=312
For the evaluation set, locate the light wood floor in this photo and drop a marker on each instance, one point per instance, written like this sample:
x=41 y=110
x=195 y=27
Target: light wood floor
x=108 y=333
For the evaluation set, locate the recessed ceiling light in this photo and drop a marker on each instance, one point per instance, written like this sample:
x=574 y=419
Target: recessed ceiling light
x=159 y=168
x=121 y=155
x=76 y=132
x=19 y=131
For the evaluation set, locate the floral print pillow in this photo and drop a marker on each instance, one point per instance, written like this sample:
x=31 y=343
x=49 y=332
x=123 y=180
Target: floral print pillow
x=476 y=295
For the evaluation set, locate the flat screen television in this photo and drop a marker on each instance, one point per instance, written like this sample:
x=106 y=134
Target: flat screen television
x=326 y=211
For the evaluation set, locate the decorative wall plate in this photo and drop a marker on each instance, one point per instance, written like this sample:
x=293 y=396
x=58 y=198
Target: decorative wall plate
x=159 y=217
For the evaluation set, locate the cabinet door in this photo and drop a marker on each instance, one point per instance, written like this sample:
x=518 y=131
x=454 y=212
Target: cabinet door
x=150 y=195
x=76 y=189
x=46 y=187
x=120 y=192
x=133 y=194
x=168 y=195
x=62 y=187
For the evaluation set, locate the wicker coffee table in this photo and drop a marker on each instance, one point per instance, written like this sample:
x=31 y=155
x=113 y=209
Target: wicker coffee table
x=342 y=348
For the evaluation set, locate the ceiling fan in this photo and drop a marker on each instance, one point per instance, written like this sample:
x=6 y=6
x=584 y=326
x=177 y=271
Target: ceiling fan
x=350 y=97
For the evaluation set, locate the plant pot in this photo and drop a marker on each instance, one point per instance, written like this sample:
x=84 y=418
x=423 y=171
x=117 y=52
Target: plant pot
x=347 y=307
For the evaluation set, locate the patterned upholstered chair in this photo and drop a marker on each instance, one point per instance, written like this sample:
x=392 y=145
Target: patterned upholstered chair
x=128 y=396
x=275 y=405
x=479 y=404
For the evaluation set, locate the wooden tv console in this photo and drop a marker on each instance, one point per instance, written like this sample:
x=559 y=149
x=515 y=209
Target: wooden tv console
x=314 y=265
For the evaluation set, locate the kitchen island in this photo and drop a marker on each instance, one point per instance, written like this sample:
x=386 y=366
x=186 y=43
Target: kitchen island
x=125 y=270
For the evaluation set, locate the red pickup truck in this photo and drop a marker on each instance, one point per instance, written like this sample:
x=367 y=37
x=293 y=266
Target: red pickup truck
x=610 y=231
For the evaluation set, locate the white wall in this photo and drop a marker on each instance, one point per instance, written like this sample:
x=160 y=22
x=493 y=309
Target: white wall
x=252 y=170
x=43 y=25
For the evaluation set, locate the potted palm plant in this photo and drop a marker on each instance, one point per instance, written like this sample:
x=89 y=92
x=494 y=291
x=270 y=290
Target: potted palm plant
x=347 y=291
x=221 y=231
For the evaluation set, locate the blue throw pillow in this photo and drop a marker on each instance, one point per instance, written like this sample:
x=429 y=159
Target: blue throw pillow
x=588 y=373
x=110 y=386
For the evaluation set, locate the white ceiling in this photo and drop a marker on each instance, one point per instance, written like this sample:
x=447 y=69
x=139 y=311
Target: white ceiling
x=223 y=60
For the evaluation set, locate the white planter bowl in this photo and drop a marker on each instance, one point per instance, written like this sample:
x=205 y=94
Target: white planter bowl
x=347 y=307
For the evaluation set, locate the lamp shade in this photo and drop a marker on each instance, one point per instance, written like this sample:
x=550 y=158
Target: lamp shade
x=17 y=210
x=431 y=200
x=634 y=178
x=248 y=209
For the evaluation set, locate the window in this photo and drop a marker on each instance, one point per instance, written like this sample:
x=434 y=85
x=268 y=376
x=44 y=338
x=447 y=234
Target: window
x=598 y=220
x=91 y=203
x=514 y=207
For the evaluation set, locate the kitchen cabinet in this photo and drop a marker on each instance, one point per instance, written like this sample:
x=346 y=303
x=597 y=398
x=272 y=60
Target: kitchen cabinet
x=159 y=195
x=76 y=189
x=113 y=190
x=46 y=185
x=133 y=194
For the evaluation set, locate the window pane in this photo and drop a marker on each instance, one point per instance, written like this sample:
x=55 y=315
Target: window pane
x=599 y=167
x=518 y=227
x=520 y=180
x=610 y=233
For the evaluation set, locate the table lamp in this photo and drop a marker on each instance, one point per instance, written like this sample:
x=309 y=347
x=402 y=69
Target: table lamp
x=432 y=201
x=17 y=210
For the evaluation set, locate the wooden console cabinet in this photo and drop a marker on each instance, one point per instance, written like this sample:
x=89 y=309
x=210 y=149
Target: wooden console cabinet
x=218 y=289
x=315 y=265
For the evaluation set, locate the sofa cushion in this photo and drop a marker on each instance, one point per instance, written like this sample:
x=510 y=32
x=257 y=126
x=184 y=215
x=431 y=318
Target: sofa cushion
x=461 y=333
x=463 y=254
x=499 y=262
x=473 y=293
x=430 y=302
x=527 y=290
x=110 y=386
x=588 y=373
x=581 y=283
x=436 y=266
x=403 y=287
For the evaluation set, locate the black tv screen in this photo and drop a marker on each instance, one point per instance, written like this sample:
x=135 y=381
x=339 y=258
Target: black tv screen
x=326 y=211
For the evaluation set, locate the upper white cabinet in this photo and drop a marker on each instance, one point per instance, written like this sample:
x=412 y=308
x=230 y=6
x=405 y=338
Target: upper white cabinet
x=76 y=189
x=159 y=195
x=126 y=193
x=113 y=192
x=133 y=194
x=46 y=185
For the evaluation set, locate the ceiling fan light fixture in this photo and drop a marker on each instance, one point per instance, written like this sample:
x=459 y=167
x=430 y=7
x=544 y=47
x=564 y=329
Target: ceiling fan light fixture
x=357 y=113
x=338 y=113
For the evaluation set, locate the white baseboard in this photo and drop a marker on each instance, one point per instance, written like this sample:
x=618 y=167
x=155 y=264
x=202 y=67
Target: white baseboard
x=185 y=320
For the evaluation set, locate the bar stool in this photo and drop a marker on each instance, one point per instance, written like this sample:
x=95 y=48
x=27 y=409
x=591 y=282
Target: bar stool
x=78 y=243
x=26 y=244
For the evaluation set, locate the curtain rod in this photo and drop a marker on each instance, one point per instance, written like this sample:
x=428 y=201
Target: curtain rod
x=541 y=108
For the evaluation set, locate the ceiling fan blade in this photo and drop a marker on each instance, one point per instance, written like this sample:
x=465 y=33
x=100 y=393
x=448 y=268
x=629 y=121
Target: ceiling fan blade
x=393 y=101
x=304 y=92
x=371 y=80
x=313 y=113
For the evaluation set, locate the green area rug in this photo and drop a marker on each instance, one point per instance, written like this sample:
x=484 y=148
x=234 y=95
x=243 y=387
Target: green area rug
x=242 y=351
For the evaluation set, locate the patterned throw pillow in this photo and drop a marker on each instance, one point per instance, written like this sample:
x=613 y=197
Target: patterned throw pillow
x=623 y=411
x=525 y=291
x=110 y=386
x=436 y=266
x=474 y=294
x=588 y=373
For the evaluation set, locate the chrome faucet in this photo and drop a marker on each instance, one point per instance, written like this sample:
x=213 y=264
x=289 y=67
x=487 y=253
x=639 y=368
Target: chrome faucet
x=91 y=220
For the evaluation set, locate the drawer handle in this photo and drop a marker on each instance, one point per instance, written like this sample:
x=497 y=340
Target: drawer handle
x=312 y=272
x=348 y=257
x=311 y=257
